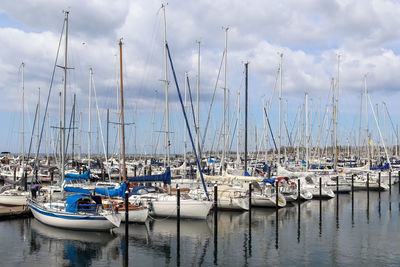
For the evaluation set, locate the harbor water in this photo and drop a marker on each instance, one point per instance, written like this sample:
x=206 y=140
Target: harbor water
x=336 y=232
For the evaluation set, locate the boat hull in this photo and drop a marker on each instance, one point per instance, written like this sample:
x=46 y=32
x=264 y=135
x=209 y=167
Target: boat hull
x=136 y=215
x=190 y=209
x=69 y=220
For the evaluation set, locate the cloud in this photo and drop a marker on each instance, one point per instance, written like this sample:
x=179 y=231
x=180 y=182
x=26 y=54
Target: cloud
x=309 y=33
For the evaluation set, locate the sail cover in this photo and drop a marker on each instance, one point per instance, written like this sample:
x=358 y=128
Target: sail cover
x=165 y=177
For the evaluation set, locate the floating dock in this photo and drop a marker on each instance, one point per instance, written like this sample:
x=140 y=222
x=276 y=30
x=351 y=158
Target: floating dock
x=15 y=212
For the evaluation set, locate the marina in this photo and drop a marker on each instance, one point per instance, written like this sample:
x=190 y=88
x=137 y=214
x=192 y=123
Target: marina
x=306 y=234
x=288 y=155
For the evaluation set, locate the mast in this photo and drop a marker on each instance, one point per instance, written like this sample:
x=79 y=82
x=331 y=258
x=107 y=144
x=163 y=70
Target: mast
x=245 y=118
x=223 y=121
x=167 y=148
x=285 y=131
x=90 y=117
x=238 y=136
x=306 y=117
x=23 y=119
x=38 y=119
x=198 y=103
x=64 y=99
x=184 y=130
x=73 y=130
x=359 y=130
x=366 y=118
x=279 y=115
x=122 y=112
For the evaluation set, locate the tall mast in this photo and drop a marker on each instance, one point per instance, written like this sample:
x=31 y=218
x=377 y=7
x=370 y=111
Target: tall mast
x=167 y=148
x=38 y=119
x=359 y=130
x=279 y=115
x=90 y=116
x=285 y=131
x=64 y=98
x=184 y=130
x=366 y=114
x=122 y=112
x=198 y=103
x=238 y=136
x=73 y=130
x=245 y=122
x=23 y=117
x=306 y=117
x=223 y=121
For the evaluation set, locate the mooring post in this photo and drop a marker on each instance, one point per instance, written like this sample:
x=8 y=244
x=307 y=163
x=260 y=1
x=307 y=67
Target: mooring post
x=277 y=195
x=337 y=184
x=390 y=182
x=134 y=170
x=15 y=176
x=178 y=224
x=126 y=226
x=379 y=181
x=368 y=187
x=26 y=181
x=178 y=204
x=215 y=196
x=215 y=223
x=298 y=191
x=250 y=189
x=320 y=188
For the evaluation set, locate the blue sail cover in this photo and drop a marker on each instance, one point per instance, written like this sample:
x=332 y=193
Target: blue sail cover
x=380 y=167
x=154 y=162
x=136 y=189
x=165 y=177
x=72 y=202
x=271 y=181
x=74 y=177
x=76 y=190
x=211 y=160
x=118 y=192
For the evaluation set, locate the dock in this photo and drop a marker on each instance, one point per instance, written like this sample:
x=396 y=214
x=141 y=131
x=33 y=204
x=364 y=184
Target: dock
x=15 y=212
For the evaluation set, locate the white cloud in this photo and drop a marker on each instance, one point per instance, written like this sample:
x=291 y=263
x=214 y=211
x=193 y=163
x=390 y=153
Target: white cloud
x=309 y=33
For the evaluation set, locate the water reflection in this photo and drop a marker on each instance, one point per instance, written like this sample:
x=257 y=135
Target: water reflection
x=228 y=240
x=67 y=246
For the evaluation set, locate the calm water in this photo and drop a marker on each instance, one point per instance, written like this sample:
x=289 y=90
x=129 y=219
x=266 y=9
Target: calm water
x=322 y=237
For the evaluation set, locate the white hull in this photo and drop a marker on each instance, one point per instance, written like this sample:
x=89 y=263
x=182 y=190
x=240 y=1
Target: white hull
x=233 y=203
x=136 y=216
x=325 y=193
x=190 y=209
x=13 y=200
x=70 y=220
x=269 y=202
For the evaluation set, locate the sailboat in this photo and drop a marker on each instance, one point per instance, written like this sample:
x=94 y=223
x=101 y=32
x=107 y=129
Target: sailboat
x=79 y=211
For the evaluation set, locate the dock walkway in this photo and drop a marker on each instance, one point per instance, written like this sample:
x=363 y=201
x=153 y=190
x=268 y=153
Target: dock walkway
x=14 y=212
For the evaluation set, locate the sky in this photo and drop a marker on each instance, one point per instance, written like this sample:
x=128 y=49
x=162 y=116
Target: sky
x=310 y=34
